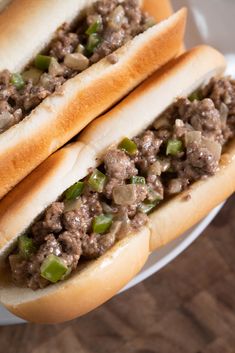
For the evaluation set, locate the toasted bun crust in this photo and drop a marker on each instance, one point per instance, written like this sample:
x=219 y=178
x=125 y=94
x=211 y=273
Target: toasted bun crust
x=62 y=115
x=20 y=207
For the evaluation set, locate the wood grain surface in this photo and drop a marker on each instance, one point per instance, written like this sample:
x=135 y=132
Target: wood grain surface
x=188 y=307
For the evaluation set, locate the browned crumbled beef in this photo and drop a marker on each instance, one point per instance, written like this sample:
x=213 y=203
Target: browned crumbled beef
x=5 y=107
x=135 y=16
x=139 y=220
x=122 y=20
x=39 y=232
x=155 y=184
x=111 y=42
x=199 y=162
x=80 y=219
x=95 y=245
x=72 y=247
x=141 y=192
x=106 y=242
x=221 y=91
x=64 y=43
x=91 y=199
x=175 y=186
x=52 y=222
x=112 y=183
x=206 y=118
x=19 y=270
x=202 y=159
x=104 y=7
x=32 y=95
x=119 y=21
x=77 y=219
x=202 y=116
x=5 y=77
x=202 y=127
x=148 y=148
x=90 y=246
x=118 y=165
x=50 y=246
x=163 y=134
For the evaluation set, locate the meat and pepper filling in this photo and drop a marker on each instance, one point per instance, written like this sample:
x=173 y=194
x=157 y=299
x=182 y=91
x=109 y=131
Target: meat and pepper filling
x=107 y=25
x=135 y=177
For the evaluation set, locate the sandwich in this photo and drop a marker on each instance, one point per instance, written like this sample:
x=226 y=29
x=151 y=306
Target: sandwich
x=79 y=227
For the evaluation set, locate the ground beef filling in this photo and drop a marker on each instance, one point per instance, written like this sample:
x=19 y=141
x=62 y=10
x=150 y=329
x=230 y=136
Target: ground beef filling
x=181 y=148
x=108 y=25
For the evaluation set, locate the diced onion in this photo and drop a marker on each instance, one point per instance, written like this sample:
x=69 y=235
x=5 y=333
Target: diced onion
x=223 y=113
x=179 y=123
x=55 y=69
x=80 y=49
x=106 y=208
x=76 y=61
x=193 y=137
x=46 y=81
x=214 y=147
x=73 y=205
x=115 y=227
x=6 y=120
x=155 y=169
x=116 y=18
x=14 y=261
x=125 y=229
x=32 y=74
x=165 y=165
x=125 y=194
x=175 y=186
x=159 y=123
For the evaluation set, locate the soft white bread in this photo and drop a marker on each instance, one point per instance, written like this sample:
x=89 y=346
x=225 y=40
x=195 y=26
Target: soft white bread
x=24 y=203
x=61 y=116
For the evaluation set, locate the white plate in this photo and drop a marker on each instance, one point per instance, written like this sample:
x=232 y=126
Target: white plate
x=210 y=22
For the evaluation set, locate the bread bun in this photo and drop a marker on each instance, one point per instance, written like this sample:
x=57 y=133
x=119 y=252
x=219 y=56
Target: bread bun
x=24 y=203
x=64 y=114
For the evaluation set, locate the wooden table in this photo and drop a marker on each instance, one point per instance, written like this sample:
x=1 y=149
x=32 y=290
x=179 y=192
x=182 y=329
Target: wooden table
x=188 y=307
